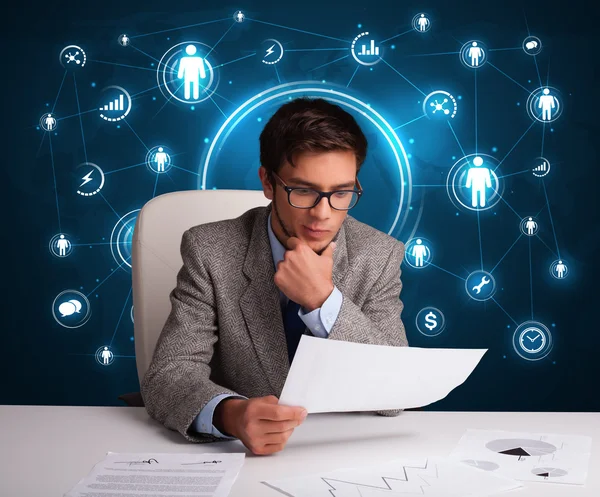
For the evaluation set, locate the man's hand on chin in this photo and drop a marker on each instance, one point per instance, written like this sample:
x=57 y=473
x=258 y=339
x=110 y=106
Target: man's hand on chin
x=304 y=276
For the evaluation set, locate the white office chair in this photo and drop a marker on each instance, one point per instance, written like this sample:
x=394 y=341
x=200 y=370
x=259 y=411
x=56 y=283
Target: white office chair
x=156 y=260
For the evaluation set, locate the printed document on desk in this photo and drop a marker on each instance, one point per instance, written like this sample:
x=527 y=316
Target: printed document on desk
x=335 y=376
x=206 y=475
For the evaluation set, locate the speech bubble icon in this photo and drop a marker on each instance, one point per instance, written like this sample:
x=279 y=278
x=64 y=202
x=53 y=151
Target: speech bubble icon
x=530 y=45
x=66 y=309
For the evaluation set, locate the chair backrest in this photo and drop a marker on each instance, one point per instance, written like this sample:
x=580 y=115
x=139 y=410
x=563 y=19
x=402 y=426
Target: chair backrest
x=156 y=258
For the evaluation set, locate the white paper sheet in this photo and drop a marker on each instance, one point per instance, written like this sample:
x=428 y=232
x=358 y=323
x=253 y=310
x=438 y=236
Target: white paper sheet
x=540 y=457
x=145 y=475
x=433 y=476
x=335 y=376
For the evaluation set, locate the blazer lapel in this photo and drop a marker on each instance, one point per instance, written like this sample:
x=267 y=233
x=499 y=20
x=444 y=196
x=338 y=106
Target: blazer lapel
x=260 y=300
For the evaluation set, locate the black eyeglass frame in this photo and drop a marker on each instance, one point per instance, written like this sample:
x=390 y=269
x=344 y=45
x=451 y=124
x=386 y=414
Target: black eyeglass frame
x=290 y=189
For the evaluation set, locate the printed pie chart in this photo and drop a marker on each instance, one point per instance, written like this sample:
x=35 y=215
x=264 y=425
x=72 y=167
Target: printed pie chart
x=549 y=472
x=520 y=447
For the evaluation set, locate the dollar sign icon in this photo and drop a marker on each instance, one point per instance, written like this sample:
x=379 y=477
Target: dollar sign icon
x=431 y=321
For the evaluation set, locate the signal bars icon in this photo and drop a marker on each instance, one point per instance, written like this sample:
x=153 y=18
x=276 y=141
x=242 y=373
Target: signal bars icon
x=542 y=167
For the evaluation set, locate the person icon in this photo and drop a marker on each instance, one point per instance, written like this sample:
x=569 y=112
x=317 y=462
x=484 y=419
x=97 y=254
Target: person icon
x=62 y=244
x=191 y=69
x=423 y=22
x=478 y=179
x=475 y=53
x=124 y=40
x=106 y=356
x=419 y=251
x=547 y=103
x=531 y=226
x=560 y=269
x=160 y=158
x=50 y=122
x=239 y=16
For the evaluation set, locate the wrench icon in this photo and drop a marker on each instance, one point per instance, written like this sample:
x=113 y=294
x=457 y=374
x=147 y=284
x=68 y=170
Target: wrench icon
x=484 y=281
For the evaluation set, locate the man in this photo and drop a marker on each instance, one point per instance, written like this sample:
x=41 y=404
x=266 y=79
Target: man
x=251 y=286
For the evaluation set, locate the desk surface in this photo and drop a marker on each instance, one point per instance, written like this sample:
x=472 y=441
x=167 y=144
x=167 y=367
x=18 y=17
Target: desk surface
x=59 y=445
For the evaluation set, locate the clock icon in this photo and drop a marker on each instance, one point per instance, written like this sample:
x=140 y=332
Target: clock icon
x=532 y=340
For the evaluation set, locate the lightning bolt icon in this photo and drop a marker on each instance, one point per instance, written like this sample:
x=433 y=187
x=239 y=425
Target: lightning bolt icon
x=270 y=51
x=86 y=178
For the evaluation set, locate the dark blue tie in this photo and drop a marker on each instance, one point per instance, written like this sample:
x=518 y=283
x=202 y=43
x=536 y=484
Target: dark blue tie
x=293 y=326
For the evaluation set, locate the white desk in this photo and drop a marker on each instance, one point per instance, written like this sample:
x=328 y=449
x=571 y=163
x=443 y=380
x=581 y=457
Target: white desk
x=64 y=443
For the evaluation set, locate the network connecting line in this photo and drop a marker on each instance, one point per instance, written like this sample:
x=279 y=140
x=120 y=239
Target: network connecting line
x=106 y=279
x=120 y=317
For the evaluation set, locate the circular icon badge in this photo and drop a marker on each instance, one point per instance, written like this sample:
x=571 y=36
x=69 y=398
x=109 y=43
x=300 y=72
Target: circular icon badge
x=545 y=104
x=72 y=58
x=48 y=122
x=559 y=270
x=430 y=321
x=89 y=179
x=532 y=340
x=121 y=237
x=71 y=309
x=529 y=226
x=532 y=45
x=239 y=16
x=439 y=106
x=364 y=50
x=473 y=184
x=159 y=159
x=474 y=54
x=124 y=40
x=104 y=356
x=272 y=51
x=115 y=103
x=421 y=23
x=480 y=285
x=185 y=74
x=60 y=246
x=540 y=167
x=418 y=253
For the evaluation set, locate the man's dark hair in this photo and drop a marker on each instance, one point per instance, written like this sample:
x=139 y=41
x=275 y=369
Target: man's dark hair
x=309 y=125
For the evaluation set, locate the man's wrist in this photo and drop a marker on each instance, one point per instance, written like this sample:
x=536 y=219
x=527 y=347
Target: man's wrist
x=224 y=416
x=320 y=301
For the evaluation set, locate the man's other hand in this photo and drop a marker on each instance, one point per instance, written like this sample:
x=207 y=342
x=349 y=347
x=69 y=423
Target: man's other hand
x=262 y=425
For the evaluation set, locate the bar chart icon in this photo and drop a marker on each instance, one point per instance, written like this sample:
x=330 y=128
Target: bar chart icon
x=372 y=51
x=116 y=105
x=364 y=50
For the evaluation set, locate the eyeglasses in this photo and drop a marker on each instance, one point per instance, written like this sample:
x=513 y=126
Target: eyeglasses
x=307 y=198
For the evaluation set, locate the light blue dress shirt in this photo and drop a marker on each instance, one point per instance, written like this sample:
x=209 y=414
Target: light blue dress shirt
x=319 y=322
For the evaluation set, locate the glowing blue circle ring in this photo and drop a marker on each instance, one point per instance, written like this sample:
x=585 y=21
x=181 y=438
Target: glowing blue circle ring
x=282 y=90
x=497 y=191
x=542 y=330
x=163 y=66
x=121 y=238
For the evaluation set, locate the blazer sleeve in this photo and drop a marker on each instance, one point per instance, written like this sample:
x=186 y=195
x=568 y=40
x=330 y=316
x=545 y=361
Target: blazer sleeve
x=177 y=385
x=378 y=321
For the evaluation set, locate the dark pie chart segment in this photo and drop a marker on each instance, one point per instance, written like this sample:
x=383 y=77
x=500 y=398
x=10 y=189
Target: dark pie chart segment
x=520 y=447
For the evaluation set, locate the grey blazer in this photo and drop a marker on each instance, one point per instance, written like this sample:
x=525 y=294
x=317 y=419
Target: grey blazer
x=225 y=333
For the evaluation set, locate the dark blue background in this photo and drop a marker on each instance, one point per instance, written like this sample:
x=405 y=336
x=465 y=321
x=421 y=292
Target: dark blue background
x=47 y=364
